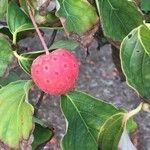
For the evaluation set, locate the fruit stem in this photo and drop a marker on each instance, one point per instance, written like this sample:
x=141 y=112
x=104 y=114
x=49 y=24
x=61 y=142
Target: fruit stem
x=36 y=28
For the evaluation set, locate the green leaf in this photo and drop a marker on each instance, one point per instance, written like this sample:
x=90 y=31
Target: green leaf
x=15 y=113
x=135 y=64
x=118 y=18
x=48 y=20
x=41 y=135
x=6 y=54
x=76 y=16
x=144 y=36
x=24 y=34
x=33 y=5
x=26 y=59
x=13 y=76
x=145 y=5
x=3 y=7
x=17 y=20
x=65 y=43
x=112 y=130
x=85 y=115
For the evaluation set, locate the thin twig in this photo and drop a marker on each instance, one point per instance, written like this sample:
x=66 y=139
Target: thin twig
x=36 y=28
x=54 y=33
x=39 y=103
x=45 y=48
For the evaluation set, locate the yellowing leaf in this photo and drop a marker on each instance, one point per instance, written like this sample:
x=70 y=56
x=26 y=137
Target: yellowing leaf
x=76 y=15
x=15 y=113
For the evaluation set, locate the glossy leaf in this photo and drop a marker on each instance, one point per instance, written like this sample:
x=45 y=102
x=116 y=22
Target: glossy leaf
x=118 y=17
x=24 y=34
x=41 y=135
x=76 y=15
x=65 y=43
x=3 y=7
x=15 y=113
x=135 y=64
x=145 y=5
x=26 y=59
x=5 y=54
x=112 y=131
x=88 y=115
x=144 y=36
x=17 y=20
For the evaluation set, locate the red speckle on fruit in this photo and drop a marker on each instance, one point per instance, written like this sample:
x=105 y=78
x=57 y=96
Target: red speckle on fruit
x=63 y=55
x=54 y=58
x=46 y=67
x=65 y=65
x=47 y=81
x=55 y=73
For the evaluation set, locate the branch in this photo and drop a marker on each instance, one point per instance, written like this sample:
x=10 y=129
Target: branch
x=36 y=28
x=39 y=103
x=54 y=33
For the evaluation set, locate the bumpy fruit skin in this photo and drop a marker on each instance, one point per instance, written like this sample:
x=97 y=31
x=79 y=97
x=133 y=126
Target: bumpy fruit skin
x=55 y=73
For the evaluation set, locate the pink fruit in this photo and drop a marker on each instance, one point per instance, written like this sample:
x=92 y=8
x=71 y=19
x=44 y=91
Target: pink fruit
x=55 y=73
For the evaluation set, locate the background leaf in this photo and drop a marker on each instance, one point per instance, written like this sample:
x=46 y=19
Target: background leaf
x=65 y=43
x=24 y=34
x=3 y=7
x=23 y=5
x=17 y=20
x=112 y=131
x=144 y=36
x=15 y=113
x=135 y=64
x=93 y=123
x=26 y=59
x=145 y=5
x=6 y=54
x=118 y=18
x=87 y=117
x=41 y=135
x=48 y=20
x=73 y=17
